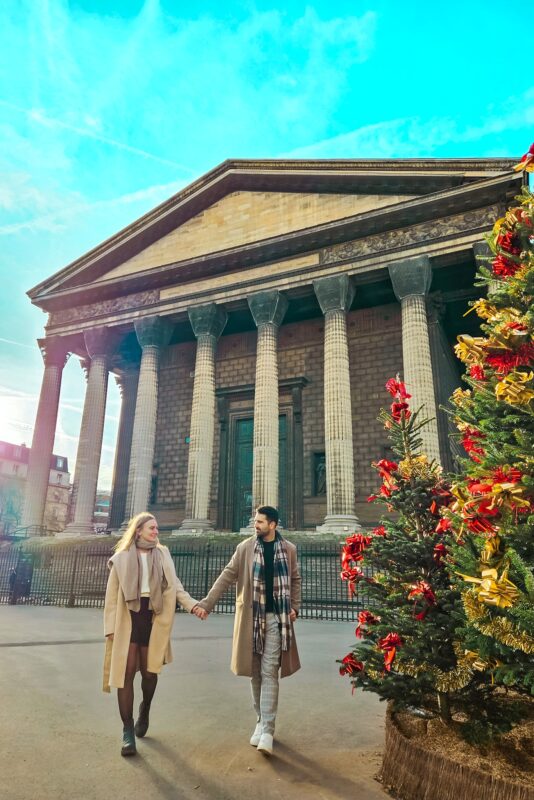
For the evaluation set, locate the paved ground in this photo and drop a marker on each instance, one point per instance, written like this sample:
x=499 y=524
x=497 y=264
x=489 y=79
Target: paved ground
x=60 y=734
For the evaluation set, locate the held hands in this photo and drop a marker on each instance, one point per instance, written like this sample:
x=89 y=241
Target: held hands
x=202 y=614
x=199 y=612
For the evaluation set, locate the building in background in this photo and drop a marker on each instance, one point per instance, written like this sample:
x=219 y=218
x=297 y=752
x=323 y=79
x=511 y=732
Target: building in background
x=14 y=460
x=252 y=321
x=101 y=515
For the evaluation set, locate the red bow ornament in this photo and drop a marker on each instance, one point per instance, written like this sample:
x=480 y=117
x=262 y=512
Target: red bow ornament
x=389 y=644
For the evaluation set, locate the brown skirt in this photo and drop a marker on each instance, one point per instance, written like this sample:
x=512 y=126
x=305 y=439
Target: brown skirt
x=141 y=624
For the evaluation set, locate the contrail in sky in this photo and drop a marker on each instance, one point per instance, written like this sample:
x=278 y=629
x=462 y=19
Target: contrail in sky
x=19 y=344
x=41 y=118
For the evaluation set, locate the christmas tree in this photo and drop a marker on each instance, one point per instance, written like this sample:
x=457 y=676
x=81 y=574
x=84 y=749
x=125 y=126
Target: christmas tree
x=492 y=514
x=407 y=651
x=449 y=627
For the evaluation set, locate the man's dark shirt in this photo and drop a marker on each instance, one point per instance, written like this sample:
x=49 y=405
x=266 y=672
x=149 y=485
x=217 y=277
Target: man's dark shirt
x=268 y=558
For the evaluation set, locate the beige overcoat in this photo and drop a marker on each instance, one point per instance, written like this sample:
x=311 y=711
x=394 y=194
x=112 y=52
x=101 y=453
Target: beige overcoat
x=239 y=571
x=117 y=621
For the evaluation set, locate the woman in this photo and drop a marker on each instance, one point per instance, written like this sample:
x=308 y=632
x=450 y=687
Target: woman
x=139 y=613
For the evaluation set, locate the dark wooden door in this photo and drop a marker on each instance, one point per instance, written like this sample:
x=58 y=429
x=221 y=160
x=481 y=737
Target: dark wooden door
x=243 y=457
x=242 y=493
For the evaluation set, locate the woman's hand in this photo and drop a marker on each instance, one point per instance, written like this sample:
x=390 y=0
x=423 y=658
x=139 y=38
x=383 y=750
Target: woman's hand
x=199 y=612
x=293 y=615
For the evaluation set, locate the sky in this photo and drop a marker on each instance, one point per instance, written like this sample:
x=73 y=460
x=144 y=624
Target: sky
x=108 y=107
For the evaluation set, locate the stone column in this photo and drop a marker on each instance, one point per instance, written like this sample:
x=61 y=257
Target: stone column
x=127 y=378
x=411 y=279
x=153 y=334
x=55 y=354
x=85 y=364
x=99 y=344
x=335 y=295
x=208 y=323
x=268 y=310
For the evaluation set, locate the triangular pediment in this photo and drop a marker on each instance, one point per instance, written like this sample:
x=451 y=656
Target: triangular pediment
x=242 y=218
x=246 y=212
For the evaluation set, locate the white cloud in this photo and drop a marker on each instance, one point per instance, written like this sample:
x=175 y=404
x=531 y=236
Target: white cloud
x=19 y=344
x=413 y=137
x=59 y=219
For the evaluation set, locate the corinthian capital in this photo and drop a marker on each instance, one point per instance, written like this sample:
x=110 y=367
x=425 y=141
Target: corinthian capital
x=100 y=341
x=209 y=319
x=153 y=331
x=334 y=293
x=54 y=350
x=268 y=307
x=411 y=276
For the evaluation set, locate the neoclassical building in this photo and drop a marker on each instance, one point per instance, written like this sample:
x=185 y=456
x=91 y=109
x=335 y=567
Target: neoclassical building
x=251 y=322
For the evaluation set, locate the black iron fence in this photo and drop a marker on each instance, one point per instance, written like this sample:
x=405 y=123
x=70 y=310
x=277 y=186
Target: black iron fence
x=75 y=576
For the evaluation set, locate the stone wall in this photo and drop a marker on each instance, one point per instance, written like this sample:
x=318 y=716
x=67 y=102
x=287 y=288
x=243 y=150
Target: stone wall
x=375 y=349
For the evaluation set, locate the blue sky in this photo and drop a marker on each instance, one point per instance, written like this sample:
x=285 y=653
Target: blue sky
x=108 y=108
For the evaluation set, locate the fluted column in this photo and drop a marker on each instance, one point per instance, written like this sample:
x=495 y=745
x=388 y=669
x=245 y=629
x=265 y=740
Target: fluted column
x=127 y=378
x=85 y=364
x=208 y=323
x=99 y=345
x=268 y=310
x=411 y=279
x=153 y=333
x=55 y=354
x=335 y=295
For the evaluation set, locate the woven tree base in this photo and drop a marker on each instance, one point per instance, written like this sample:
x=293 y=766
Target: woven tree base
x=412 y=772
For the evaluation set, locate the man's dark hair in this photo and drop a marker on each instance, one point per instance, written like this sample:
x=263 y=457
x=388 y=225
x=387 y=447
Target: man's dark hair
x=269 y=512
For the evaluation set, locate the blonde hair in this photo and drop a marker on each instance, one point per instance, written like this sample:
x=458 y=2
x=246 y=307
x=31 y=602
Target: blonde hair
x=134 y=526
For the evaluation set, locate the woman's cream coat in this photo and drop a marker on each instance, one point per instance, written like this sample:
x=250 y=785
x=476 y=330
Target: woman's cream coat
x=117 y=621
x=239 y=571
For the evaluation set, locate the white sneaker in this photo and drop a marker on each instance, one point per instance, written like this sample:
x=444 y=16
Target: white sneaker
x=256 y=736
x=265 y=745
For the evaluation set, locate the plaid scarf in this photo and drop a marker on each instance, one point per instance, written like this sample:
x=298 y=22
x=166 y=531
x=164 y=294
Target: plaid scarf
x=281 y=593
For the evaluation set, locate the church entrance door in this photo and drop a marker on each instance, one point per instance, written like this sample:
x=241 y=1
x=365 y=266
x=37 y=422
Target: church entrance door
x=243 y=436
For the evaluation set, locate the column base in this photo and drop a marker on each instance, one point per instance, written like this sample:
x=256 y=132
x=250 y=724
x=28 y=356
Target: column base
x=194 y=526
x=343 y=524
x=73 y=531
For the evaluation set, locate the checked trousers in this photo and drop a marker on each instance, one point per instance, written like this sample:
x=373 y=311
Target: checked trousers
x=264 y=682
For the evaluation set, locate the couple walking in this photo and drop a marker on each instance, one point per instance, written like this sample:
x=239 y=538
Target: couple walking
x=140 y=605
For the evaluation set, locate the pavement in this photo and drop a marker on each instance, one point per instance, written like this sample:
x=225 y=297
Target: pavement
x=60 y=735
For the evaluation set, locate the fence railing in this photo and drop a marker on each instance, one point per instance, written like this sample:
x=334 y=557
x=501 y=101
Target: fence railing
x=76 y=576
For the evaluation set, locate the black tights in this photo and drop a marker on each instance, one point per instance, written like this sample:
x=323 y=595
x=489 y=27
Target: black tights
x=149 y=681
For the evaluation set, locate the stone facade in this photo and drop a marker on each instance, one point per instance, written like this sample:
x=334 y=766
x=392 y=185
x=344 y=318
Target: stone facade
x=375 y=354
x=252 y=321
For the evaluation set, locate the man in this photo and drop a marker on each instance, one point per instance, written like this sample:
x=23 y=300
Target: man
x=265 y=569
